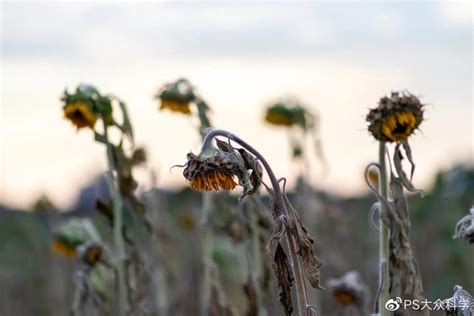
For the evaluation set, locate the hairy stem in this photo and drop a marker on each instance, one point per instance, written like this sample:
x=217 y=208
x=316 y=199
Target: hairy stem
x=384 y=237
x=119 y=244
x=302 y=298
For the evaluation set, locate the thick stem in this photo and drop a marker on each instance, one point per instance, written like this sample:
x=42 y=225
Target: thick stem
x=384 y=237
x=119 y=244
x=301 y=295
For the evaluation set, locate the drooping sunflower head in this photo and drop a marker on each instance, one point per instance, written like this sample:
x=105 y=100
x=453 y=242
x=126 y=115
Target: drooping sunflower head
x=289 y=111
x=63 y=247
x=396 y=117
x=210 y=173
x=279 y=114
x=218 y=168
x=349 y=289
x=177 y=96
x=69 y=236
x=80 y=114
x=85 y=106
x=344 y=297
x=91 y=253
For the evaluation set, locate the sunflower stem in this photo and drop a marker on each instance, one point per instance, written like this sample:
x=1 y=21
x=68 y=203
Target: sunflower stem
x=206 y=250
x=119 y=244
x=301 y=295
x=255 y=246
x=76 y=304
x=384 y=237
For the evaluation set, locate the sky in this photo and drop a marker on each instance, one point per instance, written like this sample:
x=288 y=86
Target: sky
x=338 y=57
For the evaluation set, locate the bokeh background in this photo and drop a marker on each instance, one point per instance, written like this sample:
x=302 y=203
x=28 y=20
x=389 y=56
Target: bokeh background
x=339 y=58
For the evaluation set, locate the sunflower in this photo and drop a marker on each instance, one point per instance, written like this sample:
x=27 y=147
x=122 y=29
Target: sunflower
x=396 y=117
x=69 y=236
x=176 y=106
x=213 y=173
x=177 y=96
x=63 y=248
x=349 y=289
x=80 y=114
x=279 y=115
x=92 y=254
x=344 y=297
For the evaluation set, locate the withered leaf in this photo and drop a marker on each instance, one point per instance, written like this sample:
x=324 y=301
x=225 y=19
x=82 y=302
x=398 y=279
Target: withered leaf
x=311 y=263
x=403 y=267
x=281 y=267
x=397 y=160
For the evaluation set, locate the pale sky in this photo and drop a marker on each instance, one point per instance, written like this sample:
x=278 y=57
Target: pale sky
x=339 y=58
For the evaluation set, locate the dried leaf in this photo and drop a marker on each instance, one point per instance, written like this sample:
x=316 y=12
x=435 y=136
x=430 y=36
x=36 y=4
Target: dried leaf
x=397 y=159
x=311 y=263
x=403 y=267
x=281 y=267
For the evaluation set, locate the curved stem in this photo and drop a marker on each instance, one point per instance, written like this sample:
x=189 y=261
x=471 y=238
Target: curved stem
x=117 y=230
x=301 y=295
x=384 y=237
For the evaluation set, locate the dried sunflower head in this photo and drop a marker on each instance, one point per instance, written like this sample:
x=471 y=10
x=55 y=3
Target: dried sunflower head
x=396 y=117
x=216 y=168
x=70 y=235
x=177 y=96
x=279 y=114
x=91 y=253
x=63 y=247
x=290 y=111
x=80 y=114
x=85 y=106
x=349 y=289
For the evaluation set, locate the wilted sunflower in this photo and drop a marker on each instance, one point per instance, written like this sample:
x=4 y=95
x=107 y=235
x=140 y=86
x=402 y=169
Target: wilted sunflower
x=86 y=105
x=92 y=254
x=63 y=247
x=80 y=114
x=279 y=114
x=214 y=169
x=349 y=290
x=213 y=173
x=177 y=96
x=70 y=235
x=396 y=117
